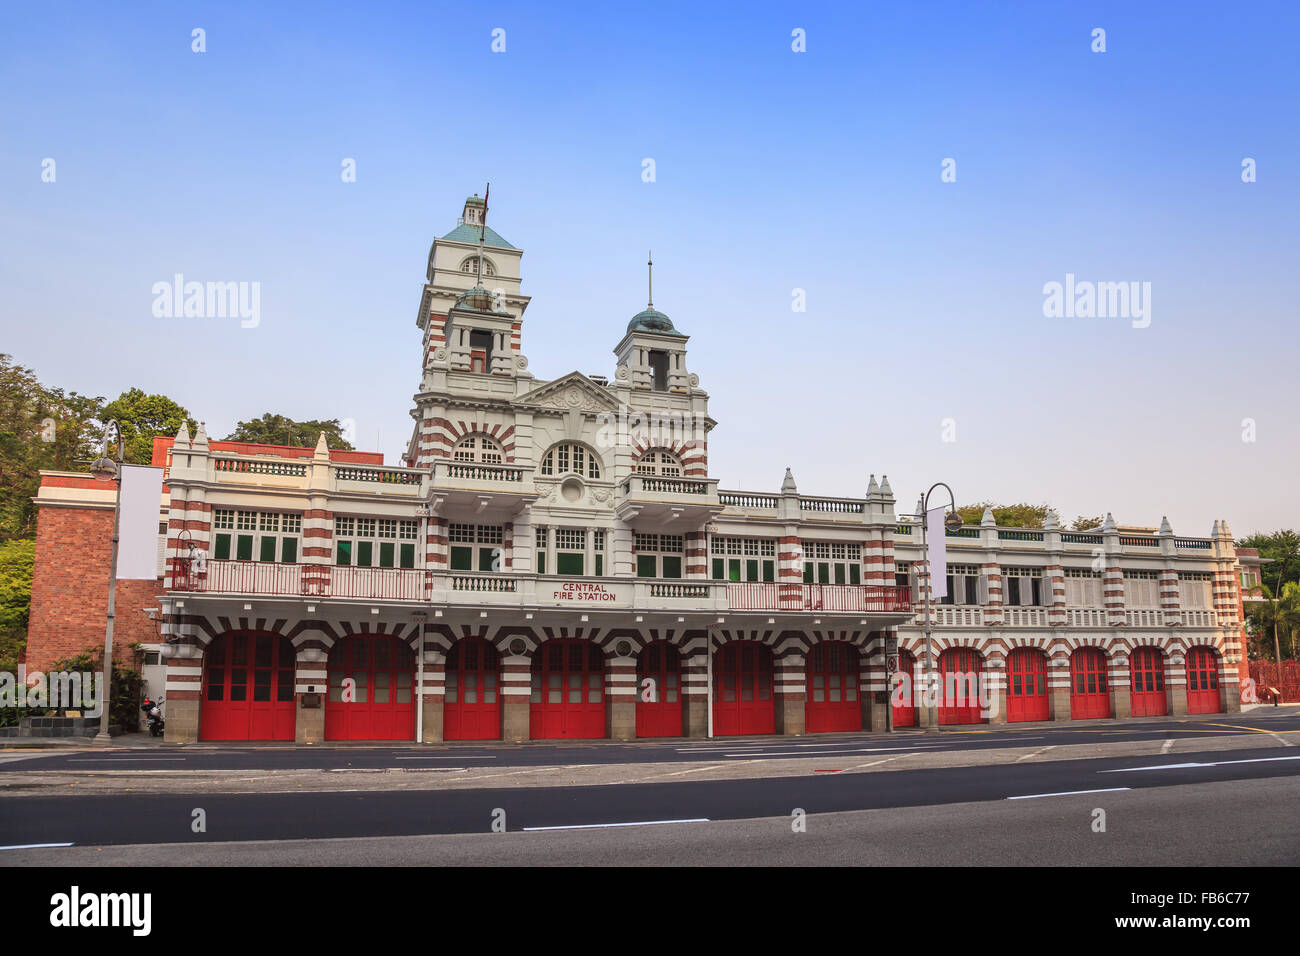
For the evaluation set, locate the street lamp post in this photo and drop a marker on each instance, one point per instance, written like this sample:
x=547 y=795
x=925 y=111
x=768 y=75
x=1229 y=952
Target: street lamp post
x=105 y=468
x=952 y=522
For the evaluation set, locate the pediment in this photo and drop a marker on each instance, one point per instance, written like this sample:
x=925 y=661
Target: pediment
x=572 y=392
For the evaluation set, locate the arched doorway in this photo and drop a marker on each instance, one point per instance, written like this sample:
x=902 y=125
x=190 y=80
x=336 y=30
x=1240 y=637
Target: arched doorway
x=568 y=691
x=742 y=690
x=379 y=701
x=1089 y=693
x=1147 y=691
x=661 y=665
x=248 y=685
x=961 y=671
x=1203 y=681
x=471 y=707
x=904 y=701
x=1027 y=685
x=832 y=702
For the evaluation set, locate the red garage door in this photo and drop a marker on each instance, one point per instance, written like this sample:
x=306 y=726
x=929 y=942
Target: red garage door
x=742 y=690
x=1147 y=694
x=1027 y=685
x=1203 y=681
x=1089 y=694
x=903 y=691
x=832 y=702
x=659 y=678
x=472 y=706
x=248 y=688
x=568 y=691
x=961 y=675
x=379 y=704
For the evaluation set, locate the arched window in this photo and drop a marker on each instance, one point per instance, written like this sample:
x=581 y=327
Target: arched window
x=659 y=462
x=478 y=448
x=470 y=265
x=571 y=458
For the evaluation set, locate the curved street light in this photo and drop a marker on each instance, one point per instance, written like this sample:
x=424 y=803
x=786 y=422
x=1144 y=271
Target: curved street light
x=953 y=522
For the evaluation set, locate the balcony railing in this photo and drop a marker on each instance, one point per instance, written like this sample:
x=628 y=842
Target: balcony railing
x=473 y=471
x=666 y=486
x=749 y=500
x=272 y=579
x=767 y=596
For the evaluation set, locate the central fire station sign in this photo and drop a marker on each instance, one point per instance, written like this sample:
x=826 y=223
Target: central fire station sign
x=578 y=592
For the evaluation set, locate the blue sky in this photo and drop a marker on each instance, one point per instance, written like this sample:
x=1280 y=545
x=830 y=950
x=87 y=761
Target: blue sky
x=775 y=170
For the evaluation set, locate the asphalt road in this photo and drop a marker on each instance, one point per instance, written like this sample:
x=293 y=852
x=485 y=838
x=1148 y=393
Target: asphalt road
x=535 y=753
x=1225 y=824
x=126 y=818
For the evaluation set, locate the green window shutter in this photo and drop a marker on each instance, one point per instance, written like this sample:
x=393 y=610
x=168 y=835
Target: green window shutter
x=719 y=569
x=769 y=570
x=244 y=547
x=486 y=558
x=462 y=559
x=343 y=553
x=386 y=550
x=733 y=569
x=221 y=549
x=807 y=572
x=541 y=562
x=289 y=550
x=839 y=574
x=645 y=566
x=600 y=565
x=823 y=573
x=855 y=574
x=672 y=566
x=268 y=548
x=566 y=563
x=751 y=569
x=365 y=553
x=408 y=555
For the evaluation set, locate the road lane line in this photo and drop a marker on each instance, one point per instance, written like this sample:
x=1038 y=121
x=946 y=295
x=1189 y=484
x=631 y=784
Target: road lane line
x=1068 y=793
x=34 y=846
x=1041 y=750
x=876 y=763
x=1167 y=746
x=1185 y=766
x=448 y=757
x=639 y=823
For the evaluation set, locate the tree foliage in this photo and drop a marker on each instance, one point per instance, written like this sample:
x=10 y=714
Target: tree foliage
x=1284 y=549
x=17 y=558
x=142 y=417
x=40 y=428
x=1086 y=524
x=273 y=429
x=1008 y=516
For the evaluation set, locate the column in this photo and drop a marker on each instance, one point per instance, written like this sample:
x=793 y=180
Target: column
x=620 y=691
x=874 y=683
x=1058 y=685
x=995 y=673
x=790 y=693
x=1120 y=683
x=695 y=690
x=183 y=690
x=434 y=690
x=1176 y=682
x=516 y=686
x=311 y=687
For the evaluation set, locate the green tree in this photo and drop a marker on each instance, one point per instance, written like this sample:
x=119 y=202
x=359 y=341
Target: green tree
x=17 y=558
x=1272 y=616
x=1086 y=524
x=1008 y=516
x=1283 y=547
x=41 y=428
x=143 y=417
x=280 y=430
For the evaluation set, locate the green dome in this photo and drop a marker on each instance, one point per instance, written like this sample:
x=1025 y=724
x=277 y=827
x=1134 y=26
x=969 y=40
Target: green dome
x=652 y=320
x=478 y=299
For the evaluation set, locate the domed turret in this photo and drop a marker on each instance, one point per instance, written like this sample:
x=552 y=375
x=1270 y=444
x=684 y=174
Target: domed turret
x=652 y=320
x=478 y=299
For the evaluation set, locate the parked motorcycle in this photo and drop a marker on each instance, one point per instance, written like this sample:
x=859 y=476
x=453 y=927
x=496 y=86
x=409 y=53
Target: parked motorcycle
x=153 y=716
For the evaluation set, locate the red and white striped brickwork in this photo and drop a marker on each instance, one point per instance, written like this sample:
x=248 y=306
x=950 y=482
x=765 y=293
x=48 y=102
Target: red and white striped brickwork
x=1169 y=602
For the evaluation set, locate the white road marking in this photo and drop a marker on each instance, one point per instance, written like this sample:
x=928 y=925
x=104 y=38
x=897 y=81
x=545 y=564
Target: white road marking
x=1184 y=766
x=448 y=757
x=640 y=823
x=813 y=753
x=1167 y=746
x=1041 y=750
x=120 y=759
x=33 y=846
x=876 y=763
x=1067 y=793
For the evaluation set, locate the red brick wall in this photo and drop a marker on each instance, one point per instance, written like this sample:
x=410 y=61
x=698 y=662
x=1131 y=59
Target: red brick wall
x=70 y=589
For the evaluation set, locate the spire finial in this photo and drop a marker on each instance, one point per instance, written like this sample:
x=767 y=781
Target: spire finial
x=482 y=229
x=650 y=279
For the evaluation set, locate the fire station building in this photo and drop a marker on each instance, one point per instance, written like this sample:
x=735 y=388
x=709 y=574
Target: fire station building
x=552 y=559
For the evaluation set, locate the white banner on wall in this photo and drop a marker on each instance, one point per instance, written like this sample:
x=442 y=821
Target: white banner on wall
x=937 y=549
x=137 y=547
